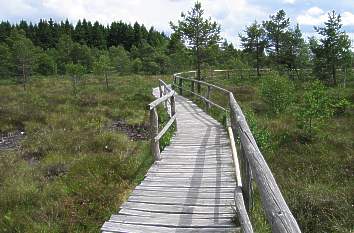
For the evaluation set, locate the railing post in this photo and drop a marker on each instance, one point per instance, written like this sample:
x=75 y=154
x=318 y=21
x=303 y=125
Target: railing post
x=192 y=86
x=207 y=104
x=173 y=108
x=160 y=89
x=154 y=130
x=245 y=168
x=180 y=84
x=247 y=189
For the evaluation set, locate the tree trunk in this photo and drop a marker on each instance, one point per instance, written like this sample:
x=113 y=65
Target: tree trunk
x=334 y=75
x=198 y=71
x=106 y=78
x=258 y=74
x=24 y=77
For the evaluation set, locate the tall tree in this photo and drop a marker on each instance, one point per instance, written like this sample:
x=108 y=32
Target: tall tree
x=276 y=30
x=198 y=32
x=102 y=66
x=254 y=42
x=24 y=55
x=333 y=50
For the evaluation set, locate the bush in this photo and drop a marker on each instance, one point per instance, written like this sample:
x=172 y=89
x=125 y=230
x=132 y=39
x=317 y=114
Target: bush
x=277 y=92
x=340 y=105
x=314 y=109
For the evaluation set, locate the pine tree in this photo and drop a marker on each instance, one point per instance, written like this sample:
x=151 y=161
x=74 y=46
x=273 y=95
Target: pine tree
x=254 y=43
x=333 y=50
x=276 y=30
x=199 y=33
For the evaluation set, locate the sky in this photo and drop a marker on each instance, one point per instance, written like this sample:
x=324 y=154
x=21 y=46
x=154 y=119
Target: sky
x=232 y=15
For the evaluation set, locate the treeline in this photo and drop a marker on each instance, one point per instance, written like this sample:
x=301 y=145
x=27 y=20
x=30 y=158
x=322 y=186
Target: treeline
x=47 y=47
x=275 y=43
x=50 y=47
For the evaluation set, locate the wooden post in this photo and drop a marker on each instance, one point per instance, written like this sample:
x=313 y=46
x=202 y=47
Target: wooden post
x=173 y=108
x=277 y=211
x=247 y=189
x=160 y=89
x=228 y=74
x=207 y=104
x=180 y=86
x=192 y=86
x=154 y=130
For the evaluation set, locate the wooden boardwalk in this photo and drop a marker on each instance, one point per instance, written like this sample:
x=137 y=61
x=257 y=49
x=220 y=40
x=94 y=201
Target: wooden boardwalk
x=191 y=189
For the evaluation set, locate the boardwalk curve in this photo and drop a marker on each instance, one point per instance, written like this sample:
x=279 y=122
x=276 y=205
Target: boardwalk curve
x=191 y=189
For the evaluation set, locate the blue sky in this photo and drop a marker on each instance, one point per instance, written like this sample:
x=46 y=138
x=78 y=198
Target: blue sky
x=233 y=15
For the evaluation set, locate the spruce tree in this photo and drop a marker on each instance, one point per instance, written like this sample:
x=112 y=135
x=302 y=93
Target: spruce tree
x=198 y=32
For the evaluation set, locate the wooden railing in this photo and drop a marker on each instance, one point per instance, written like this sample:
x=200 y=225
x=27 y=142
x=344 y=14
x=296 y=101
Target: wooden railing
x=166 y=94
x=252 y=164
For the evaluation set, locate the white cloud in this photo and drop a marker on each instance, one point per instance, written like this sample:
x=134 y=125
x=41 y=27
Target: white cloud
x=289 y=1
x=348 y=18
x=316 y=16
x=312 y=16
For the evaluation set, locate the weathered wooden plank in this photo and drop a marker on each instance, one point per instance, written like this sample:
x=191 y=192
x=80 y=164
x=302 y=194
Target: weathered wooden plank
x=165 y=128
x=185 y=216
x=177 y=209
x=172 y=222
x=111 y=227
x=189 y=189
x=189 y=201
x=179 y=194
x=158 y=101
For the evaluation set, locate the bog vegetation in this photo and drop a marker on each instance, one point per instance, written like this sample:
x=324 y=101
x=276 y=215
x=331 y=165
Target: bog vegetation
x=66 y=85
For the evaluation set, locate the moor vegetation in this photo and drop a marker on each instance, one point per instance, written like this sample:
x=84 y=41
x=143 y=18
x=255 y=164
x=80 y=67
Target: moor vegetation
x=67 y=87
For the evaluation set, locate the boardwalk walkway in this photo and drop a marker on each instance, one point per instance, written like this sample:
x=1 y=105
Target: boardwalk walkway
x=191 y=189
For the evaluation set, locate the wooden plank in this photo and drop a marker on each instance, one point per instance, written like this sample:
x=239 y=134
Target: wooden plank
x=151 y=193
x=172 y=222
x=195 y=184
x=158 y=101
x=189 y=189
x=189 y=201
x=160 y=215
x=111 y=227
x=165 y=128
x=177 y=209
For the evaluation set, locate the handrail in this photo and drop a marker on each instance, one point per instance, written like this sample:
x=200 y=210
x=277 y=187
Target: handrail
x=158 y=101
x=155 y=135
x=278 y=213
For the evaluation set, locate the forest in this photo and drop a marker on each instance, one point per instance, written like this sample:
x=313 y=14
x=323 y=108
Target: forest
x=76 y=96
x=47 y=47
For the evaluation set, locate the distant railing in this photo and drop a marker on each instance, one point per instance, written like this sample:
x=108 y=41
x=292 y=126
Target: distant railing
x=252 y=163
x=166 y=94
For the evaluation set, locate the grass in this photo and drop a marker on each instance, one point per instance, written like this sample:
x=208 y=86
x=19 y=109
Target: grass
x=71 y=172
x=316 y=177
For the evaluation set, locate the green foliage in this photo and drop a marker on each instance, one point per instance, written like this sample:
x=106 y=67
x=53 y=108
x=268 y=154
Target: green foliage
x=254 y=43
x=46 y=65
x=102 y=67
x=120 y=59
x=278 y=92
x=199 y=33
x=137 y=65
x=314 y=109
x=261 y=134
x=340 y=105
x=333 y=49
x=72 y=172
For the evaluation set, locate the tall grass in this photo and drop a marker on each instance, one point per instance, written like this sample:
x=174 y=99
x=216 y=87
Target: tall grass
x=71 y=173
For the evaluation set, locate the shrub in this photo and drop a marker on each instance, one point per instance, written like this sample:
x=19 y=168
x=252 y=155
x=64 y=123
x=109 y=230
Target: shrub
x=314 y=109
x=340 y=105
x=277 y=92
